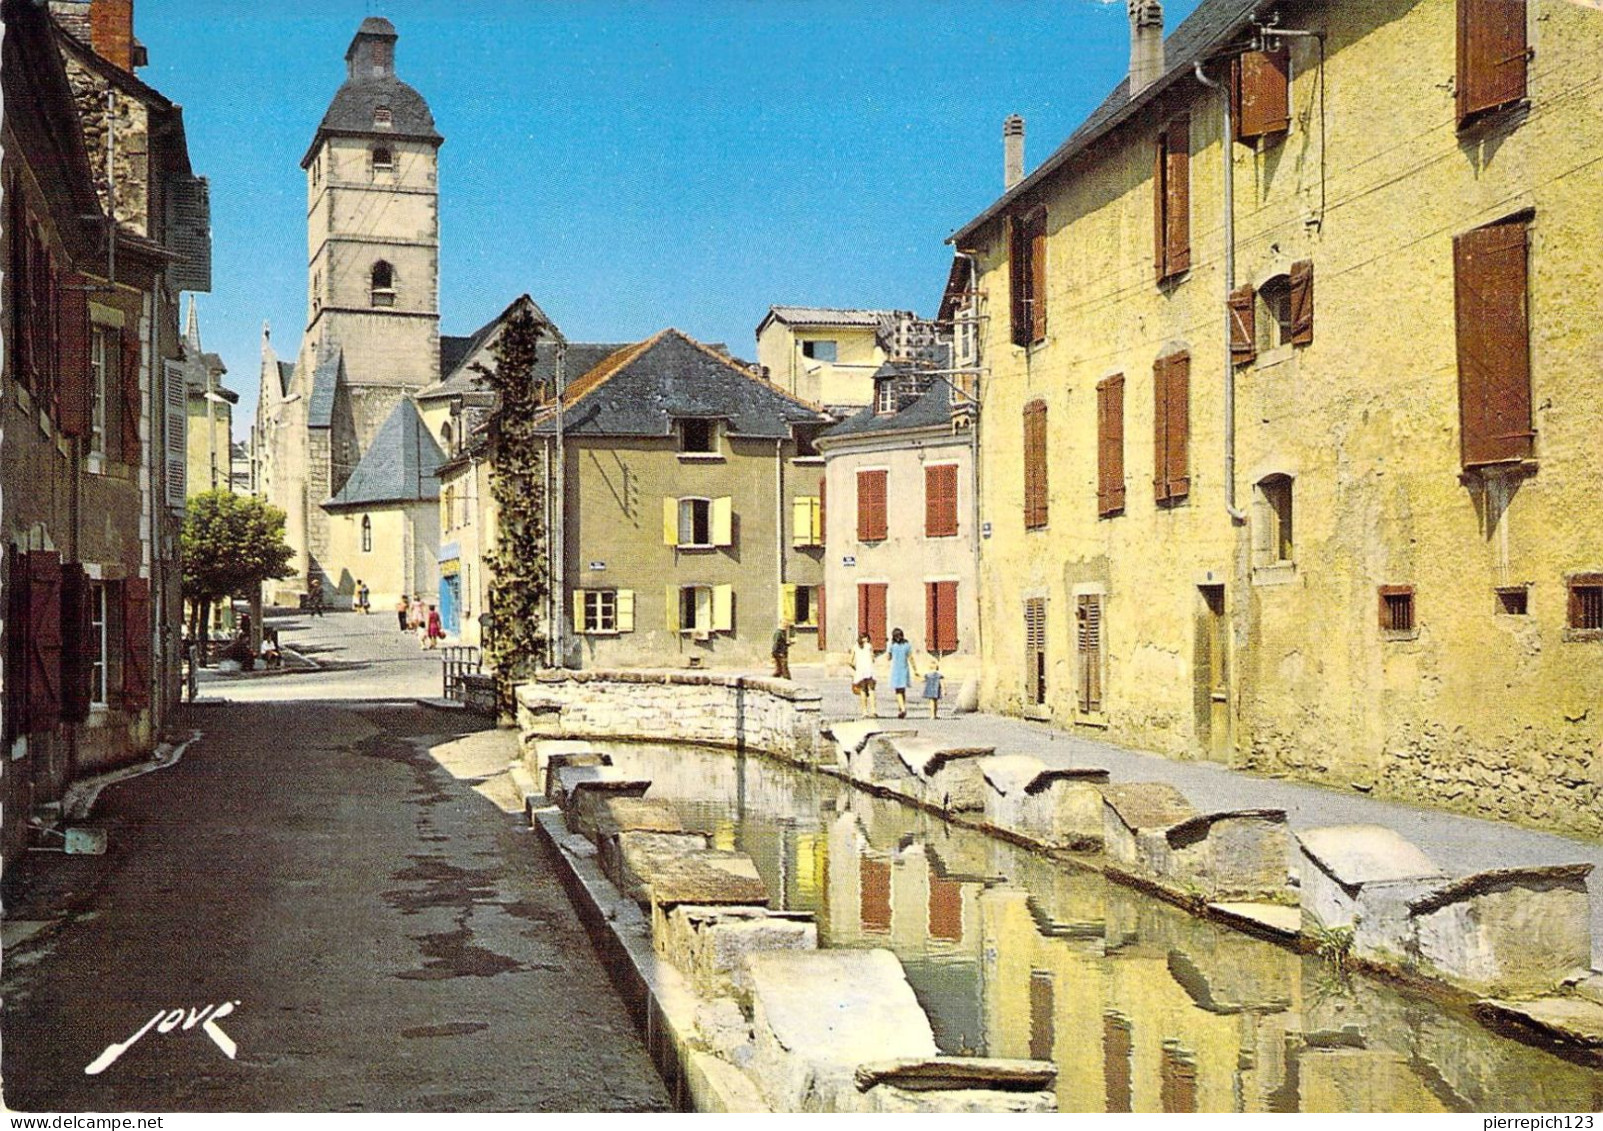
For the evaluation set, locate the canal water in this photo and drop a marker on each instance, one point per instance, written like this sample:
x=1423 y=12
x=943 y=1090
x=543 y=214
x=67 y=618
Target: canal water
x=1142 y=1007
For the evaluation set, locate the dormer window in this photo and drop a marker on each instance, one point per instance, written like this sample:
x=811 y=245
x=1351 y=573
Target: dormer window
x=383 y=292
x=383 y=159
x=698 y=436
x=885 y=399
x=383 y=119
x=819 y=349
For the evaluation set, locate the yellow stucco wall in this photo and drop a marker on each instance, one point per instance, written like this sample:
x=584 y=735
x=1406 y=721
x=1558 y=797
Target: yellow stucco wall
x=405 y=538
x=848 y=381
x=1489 y=713
x=202 y=444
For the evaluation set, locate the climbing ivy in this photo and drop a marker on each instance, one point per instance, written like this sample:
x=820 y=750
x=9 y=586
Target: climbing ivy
x=519 y=580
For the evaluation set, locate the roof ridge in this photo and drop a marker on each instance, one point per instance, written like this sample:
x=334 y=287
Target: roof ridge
x=609 y=367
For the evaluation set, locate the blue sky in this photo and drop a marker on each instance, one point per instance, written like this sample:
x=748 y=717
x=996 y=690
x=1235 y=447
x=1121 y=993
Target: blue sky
x=637 y=165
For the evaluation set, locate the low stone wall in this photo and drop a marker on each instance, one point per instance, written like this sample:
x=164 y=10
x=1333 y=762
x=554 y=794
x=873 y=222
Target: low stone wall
x=775 y=716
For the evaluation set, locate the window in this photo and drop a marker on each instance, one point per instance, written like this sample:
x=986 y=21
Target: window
x=871 y=517
x=940 y=500
x=807 y=521
x=1260 y=94
x=940 y=617
x=317 y=171
x=445 y=435
x=1171 y=427
x=798 y=605
x=871 y=612
x=383 y=118
x=604 y=612
x=448 y=506
x=1273 y=540
x=383 y=159
x=1035 y=486
x=1514 y=601
x=1088 y=651
x=105 y=348
x=1274 y=328
x=696 y=523
x=1035 y=651
x=383 y=293
x=1171 y=195
x=886 y=402
x=1494 y=365
x=819 y=349
x=701 y=610
x=367 y=534
x=1397 y=611
x=97 y=644
x=1493 y=56
x=1585 y=620
x=1027 y=277
x=698 y=436
x=1110 y=446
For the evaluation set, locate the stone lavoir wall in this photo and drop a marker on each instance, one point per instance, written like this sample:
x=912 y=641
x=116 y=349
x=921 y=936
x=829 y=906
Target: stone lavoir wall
x=771 y=715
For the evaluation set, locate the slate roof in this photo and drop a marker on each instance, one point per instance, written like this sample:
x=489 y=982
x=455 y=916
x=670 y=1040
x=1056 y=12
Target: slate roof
x=933 y=409
x=453 y=350
x=401 y=465
x=1211 y=25
x=641 y=389
x=286 y=376
x=351 y=111
x=325 y=379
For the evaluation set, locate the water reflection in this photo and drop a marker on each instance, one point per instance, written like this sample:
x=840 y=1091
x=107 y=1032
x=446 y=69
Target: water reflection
x=1143 y=1007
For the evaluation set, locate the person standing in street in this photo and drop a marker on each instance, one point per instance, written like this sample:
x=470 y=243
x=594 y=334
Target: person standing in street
x=361 y=596
x=781 y=653
x=932 y=685
x=902 y=669
x=863 y=674
x=402 y=607
x=433 y=629
x=314 y=596
x=416 y=615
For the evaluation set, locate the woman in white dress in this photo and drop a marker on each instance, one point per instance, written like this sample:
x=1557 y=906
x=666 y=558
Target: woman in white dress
x=863 y=674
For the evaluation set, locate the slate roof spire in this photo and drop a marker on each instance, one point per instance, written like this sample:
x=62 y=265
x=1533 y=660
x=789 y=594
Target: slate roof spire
x=373 y=102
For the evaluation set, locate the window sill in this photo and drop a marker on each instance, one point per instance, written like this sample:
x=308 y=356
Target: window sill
x=1482 y=122
x=1275 y=573
x=1095 y=719
x=1040 y=712
x=939 y=537
x=1507 y=469
x=806 y=545
x=701 y=457
x=1583 y=635
x=807 y=461
x=805 y=627
x=600 y=632
x=694 y=547
x=1275 y=355
x=1392 y=634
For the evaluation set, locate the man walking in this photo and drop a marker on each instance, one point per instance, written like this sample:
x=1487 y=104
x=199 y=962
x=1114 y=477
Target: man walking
x=781 y=653
x=314 y=598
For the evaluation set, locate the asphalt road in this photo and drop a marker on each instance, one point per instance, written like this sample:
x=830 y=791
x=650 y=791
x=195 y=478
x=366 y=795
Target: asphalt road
x=391 y=935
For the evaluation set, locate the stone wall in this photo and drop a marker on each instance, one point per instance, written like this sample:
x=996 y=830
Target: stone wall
x=774 y=716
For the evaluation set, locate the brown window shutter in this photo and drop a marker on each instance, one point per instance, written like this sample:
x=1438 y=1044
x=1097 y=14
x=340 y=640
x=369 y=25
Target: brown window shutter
x=946 y=616
x=1177 y=185
x=931 y=615
x=1263 y=91
x=1177 y=457
x=1243 y=325
x=1018 y=281
x=823 y=620
x=43 y=656
x=1038 y=276
x=1035 y=483
x=870 y=506
x=1160 y=431
x=1494 y=368
x=876 y=616
x=1301 y=281
x=77 y=643
x=136 y=644
x=75 y=375
x=130 y=399
x=945 y=907
x=874 y=894
x=940 y=501
x=1160 y=228
x=1493 y=55
x=1110 y=446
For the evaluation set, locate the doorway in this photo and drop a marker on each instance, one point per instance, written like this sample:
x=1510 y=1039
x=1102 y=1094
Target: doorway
x=1212 y=669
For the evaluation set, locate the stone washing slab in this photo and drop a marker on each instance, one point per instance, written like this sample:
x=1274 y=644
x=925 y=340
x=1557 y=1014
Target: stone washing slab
x=543 y=749
x=1571 y=1021
x=1355 y=855
x=572 y=780
x=636 y=815
x=942 y=1073
x=926 y=757
x=890 y=1099
x=711 y=945
x=1053 y=807
x=707 y=875
x=1141 y=806
x=1277 y=919
x=555 y=762
x=851 y=735
x=1009 y=775
x=630 y=858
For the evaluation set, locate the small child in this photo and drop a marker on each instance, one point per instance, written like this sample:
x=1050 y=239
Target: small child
x=932 y=686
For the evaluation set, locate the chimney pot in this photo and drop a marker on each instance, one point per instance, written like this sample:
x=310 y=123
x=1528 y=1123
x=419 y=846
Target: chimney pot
x=1146 y=44
x=1012 y=151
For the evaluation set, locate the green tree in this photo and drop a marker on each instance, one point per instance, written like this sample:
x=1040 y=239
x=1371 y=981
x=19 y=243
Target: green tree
x=230 y=545
x=519 y=576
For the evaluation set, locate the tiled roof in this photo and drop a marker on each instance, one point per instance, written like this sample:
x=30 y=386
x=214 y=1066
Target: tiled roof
x=1212 y=24
x=400 y=465
x=325 y=379
x=932 y=409
x=824 y=316
x=641 y=389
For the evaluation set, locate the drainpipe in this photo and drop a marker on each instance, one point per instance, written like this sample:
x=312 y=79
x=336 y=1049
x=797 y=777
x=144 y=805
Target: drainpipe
x=779 y=515
x=1235 y=512
x=558 y=544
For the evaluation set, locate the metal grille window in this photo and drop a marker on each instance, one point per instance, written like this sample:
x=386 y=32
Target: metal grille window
x=1397 y=609
x=1514 y=601
x=1035 y=651
x=1586 y=607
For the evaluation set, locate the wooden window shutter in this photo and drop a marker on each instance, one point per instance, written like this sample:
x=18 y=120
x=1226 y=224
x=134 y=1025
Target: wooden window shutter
x=1261 y=93
x=42 y=660
x=1037 y=296
x=822 y=529
x=945 y=907
x=1301 y=281
x=1110 y=446
x=1088 y=645
x=136 y=644
x=823 y=620
x=1493 y=55
x=871 y=613
x=946 y=616
x=1176 y=200
x=1160 y=228
x=77 y=643
x=131 y=404
x=874 y=894
x=1177 y=418
x=1018 y=282
x=1160 y=430
x=1243 y=325
x=626 y=610
x=871 y=518
x=1035 y=479
x=1494 y=368
x=931 y=615
x=175 y=395
x=76 y=379
x=940 y=500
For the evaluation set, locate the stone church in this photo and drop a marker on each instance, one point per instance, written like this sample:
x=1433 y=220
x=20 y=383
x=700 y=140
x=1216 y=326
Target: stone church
x=338 y=443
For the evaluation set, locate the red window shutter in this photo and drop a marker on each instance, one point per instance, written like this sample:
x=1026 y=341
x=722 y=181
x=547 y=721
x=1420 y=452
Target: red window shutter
x=1110 y=446
x=946 y=616
x=1494 y=367
x=823 y=608
x=1243 y=325
x=131 y=405
x=43 y=648
x=77 y=640
x=1037 y=230
x=940 y=501
x=1261 y=90
x=136 y=644
x=931 y=616
x=874 y=894
x=876 y=616
x=1160 y=430
x=1177 y=417
x=1301 y=282
x=945 y=908
x=1177 y=197
x=1493 y=55
x=75 y=375
x=870 y=506
x=1035 y=479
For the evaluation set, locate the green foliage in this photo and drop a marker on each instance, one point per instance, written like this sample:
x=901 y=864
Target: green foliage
x=1334 y=945
x=230 y=544
x=519 y=581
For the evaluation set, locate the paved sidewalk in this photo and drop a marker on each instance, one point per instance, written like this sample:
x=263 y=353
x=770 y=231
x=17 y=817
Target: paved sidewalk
x=1458 y=844
x=348 y=656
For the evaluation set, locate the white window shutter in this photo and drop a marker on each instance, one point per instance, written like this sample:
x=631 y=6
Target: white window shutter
x=626 y=610
x=723 y=521
x=176 y=392
x=723 y=608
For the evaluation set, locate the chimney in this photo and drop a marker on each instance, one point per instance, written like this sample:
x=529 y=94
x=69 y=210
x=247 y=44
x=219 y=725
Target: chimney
x=111 y=31
x=1012 y=151
x=1146 y=44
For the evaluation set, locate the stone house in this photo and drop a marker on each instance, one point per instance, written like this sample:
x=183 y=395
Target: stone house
x=829 y=356
x=101 y=234
x=1289 y=434
x=901 y=541
x=210 y=409
x=681 y=471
